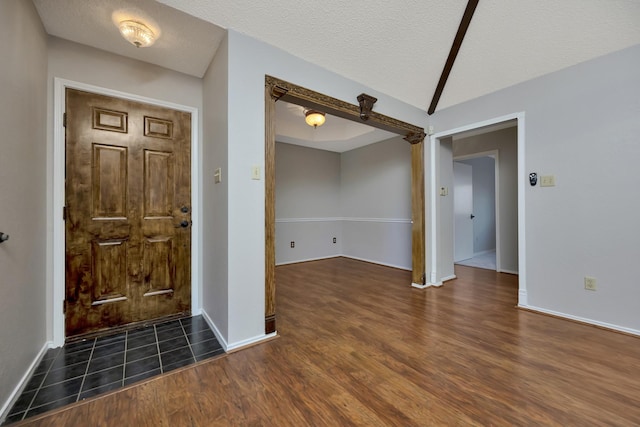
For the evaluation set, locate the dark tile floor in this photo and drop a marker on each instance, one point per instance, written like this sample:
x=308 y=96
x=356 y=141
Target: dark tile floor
x=86 y=368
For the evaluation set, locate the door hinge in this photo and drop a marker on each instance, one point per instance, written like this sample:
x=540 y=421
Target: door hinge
x=64 y=120
x=64 y=213
x=64 y=306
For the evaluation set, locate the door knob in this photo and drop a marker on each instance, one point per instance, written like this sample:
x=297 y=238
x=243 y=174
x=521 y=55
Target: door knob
x=184 y=209
x=3 y=237
x=184 y=223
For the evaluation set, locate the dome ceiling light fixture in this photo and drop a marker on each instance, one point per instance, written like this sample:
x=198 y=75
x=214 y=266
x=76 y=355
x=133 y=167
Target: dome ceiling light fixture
x=137 y=33
x=314 y=118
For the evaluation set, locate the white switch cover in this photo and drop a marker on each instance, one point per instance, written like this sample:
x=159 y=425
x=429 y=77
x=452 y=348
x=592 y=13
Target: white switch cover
x=255 y=172
x=444 y=191
x=217 y=175
x=548 y=181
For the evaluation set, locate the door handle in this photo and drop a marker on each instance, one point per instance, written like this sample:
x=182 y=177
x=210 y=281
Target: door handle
x=472 y=216
x=3 y=237
x=184 y=223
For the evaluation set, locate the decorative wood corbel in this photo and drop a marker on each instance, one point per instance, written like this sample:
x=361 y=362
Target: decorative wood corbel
x=415 y=138
x=366 y=105
x=278 y=92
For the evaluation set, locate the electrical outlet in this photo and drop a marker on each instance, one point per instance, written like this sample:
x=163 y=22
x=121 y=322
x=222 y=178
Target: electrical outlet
x=335 y=240
x=293 y=244
x=590 y=283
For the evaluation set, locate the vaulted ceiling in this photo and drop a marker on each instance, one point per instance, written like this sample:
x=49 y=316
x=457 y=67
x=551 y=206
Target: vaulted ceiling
x=397 y=47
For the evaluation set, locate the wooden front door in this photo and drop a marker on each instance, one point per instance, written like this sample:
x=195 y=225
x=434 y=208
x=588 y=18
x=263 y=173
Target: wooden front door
x=128 y=212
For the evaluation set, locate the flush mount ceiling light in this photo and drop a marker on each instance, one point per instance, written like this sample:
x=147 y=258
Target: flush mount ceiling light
x=314 y=118
x=137 y=33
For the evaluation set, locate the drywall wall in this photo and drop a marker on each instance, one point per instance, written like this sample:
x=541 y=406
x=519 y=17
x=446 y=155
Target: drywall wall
x=362 y=197
x=506 y=142
x=23 y=191
x=376 y=203
x=484 y=206
x=581 y=125
x=249 y=62
x=215 y=297
x=307 y=203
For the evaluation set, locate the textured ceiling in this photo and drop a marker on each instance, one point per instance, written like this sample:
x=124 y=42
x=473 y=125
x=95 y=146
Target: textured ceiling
x=399 y=47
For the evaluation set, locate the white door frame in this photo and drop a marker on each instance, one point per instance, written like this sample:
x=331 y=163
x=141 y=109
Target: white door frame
x=434 y=140
x=496 y=157
x=57 y=319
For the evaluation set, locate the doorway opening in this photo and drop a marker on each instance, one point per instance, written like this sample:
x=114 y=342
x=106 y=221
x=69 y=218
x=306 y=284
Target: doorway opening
x=510 y=213
x=275 y=90
x=476 y=199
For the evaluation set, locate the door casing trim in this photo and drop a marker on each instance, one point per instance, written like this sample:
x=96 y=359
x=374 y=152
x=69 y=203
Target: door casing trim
x=55 y=318
x=434 y=142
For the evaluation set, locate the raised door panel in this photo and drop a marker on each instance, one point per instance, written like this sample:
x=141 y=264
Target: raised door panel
x=109 y=181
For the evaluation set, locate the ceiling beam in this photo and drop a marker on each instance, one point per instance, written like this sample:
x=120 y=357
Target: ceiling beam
x=455 y=47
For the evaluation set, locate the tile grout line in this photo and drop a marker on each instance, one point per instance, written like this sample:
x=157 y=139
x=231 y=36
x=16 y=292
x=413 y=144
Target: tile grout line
x=84 y=377
x=155 y=331
x=188 y=342
x=44 y=377
x=124 y=361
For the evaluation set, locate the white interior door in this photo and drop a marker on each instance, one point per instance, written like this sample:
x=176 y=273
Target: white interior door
x=462 y=211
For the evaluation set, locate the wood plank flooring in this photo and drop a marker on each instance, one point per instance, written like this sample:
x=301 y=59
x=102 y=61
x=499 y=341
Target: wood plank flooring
x=359 y=346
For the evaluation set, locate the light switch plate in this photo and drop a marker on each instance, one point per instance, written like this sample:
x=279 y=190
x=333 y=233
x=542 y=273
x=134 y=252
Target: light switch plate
x=548 y=181
x=217 y=176
x=255 y=172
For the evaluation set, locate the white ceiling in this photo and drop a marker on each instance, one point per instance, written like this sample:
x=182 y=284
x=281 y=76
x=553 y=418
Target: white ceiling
x=397 y=47
x=336 y=134
x=186 y=44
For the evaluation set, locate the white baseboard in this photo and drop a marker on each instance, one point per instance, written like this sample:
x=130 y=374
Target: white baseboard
x=308 y=259
x=502 y=270
x=15 y=394
x=420 y=285
x=435 y=284
x=236 y=345
x=376 y=262
x=475 y=254
x=447 y=278
x=522 y=297
x=582 y=320
x=345 y=256
x=250 y=341
x=215 y=330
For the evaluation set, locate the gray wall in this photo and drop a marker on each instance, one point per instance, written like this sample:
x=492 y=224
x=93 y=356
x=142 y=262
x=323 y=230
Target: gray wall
x=215 y=298
x=484 y=206
x=506 y=142
x=23 y=186
x=362 y=197
x=376 y=203
x=581 y=125
x=307 y=203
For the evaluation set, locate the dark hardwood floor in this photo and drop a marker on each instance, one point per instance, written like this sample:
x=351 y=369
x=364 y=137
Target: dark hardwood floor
x=359 y=346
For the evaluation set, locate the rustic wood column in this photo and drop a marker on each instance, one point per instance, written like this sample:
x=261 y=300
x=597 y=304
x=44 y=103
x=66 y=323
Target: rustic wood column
x=272 y=94
x=418 y=276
